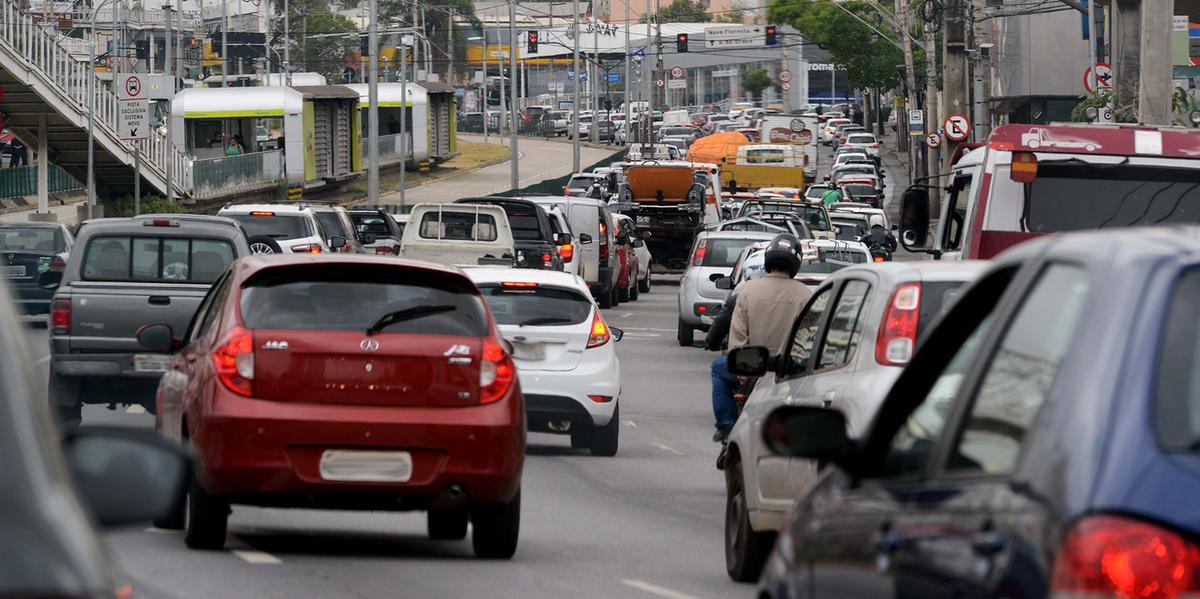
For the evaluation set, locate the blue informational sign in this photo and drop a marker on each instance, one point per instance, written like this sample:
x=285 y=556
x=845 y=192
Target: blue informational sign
x=614 y=77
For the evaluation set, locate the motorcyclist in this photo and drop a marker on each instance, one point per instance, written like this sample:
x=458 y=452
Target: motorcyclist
x=879 y=237
x=763 y=315
x=831 y=196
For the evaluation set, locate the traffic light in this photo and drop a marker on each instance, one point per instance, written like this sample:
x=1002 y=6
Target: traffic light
x=532 y=42
x=681 y=43
x=141 y=49
x=772 y=35
x=364 y=46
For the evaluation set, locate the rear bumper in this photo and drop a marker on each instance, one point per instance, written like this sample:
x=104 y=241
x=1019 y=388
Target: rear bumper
x=99 y=365
x=268 y=453
x=32 y=299
x=557 y=396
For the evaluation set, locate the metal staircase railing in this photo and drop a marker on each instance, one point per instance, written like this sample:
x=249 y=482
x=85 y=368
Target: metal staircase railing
x=65 y=78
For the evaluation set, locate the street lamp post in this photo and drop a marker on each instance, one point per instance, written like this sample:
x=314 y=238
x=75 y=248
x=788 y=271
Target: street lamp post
x=512 y=86
x=575 y=93
x=91 y=151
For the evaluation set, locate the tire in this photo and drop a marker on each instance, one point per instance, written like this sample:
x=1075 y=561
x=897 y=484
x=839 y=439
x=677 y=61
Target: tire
x=175 y=519
x=686 y=335
x=605 y=301
x=644 y=286
x=263 y=244
x=447 y=524
x=64 y=400
x=633 y=291
x=623 y=294
x=582 y=438
x=745 y=550
x=205 y=520
x=616 y=298
x=604 y=438
x=497 y=528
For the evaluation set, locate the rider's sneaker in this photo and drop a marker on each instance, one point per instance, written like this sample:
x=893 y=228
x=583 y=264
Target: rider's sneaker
x=721 y=436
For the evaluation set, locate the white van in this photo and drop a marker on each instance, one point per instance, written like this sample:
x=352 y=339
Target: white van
x=594 y=238
x=459 y=234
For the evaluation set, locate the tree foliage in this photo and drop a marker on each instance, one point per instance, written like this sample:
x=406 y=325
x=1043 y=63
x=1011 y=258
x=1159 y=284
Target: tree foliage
x=756 y=81
x=310 y=18
x=868 y=60
x=736 y=14
x=683 y=11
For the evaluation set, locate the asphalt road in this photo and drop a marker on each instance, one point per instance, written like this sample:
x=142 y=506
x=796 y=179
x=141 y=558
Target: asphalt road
x=538 y=160
x=646 y=523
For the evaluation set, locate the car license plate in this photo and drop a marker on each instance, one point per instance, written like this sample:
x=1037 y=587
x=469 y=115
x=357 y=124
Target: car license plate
x=366 y=466
x=151 y=362
x=12 y=272
x=529 y=351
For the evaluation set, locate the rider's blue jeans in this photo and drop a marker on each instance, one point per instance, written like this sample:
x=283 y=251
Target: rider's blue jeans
x=723 y=385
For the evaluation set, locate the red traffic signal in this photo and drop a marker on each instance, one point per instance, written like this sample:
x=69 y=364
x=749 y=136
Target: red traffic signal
x=532 y=42
x=772 y=35
x=681 y=42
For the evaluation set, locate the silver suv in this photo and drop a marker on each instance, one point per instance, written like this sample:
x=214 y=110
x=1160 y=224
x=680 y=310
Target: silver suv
x=126 y=273
x=283 y=228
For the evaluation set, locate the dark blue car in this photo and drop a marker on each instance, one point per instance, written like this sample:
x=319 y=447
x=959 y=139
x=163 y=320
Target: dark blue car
x=1043 y=442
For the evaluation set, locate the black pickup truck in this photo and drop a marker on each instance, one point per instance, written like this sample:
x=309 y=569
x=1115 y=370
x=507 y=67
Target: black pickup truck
x=536 y=242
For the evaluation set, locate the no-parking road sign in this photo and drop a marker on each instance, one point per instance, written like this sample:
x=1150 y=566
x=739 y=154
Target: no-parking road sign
x=933 y=140
x=957 y=127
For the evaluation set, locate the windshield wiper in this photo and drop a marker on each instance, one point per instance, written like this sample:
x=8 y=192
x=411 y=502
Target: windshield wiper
x=398 y=316
x=544 y=320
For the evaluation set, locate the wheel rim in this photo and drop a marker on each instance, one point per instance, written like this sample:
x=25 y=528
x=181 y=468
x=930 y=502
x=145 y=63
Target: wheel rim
x=261 y=248
x=735 y=522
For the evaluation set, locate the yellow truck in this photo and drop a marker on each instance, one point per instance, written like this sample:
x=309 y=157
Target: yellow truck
x=764 y=165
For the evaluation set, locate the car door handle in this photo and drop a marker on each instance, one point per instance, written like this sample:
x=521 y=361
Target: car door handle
x=160 y=300
x=987 y=543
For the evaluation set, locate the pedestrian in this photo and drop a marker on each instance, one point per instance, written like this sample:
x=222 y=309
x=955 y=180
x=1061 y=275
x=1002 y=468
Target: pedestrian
x=16 y=153
x=831 y=196
x=233 y=148
x=763 y=316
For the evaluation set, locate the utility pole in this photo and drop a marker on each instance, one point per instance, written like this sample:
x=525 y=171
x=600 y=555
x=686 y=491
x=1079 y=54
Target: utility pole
x=450 y=43
x=628 y=64
x=954 y=64
x=659 y=95
x=169 y=70
x=575 y=93
x=373 y=106
x=1155 y=86
x=512 y=83
x=287 y=44
x=224 y=45
x=594 y=78
x=932 y=116
x=1126 y=50
x=903 y=137
x=648 y=75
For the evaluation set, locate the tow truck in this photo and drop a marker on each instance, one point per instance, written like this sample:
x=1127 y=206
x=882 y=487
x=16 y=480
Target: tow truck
x=1026 y=181
x=764 y=165
x=665 y=199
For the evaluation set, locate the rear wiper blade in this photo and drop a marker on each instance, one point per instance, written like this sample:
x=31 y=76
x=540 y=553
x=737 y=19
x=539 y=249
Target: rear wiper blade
x=544 y=320
x=398 y=316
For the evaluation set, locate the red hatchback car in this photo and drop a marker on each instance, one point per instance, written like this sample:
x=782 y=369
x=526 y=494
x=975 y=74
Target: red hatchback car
x=346 y=382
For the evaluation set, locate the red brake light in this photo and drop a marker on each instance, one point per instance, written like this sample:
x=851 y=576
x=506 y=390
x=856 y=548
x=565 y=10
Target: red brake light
x=518 y=284
x=879 y=258
x=898 y=335
x=383 y=250
x=600 y=398
x=57 y=263
x=496 y=372
x=1024 y=167
x=600 y=334
x=60 y=316
x=259 y=213
x=698 y=256
x=160 y=222
x=567 y=251
x=1114 y=556
x=234 y=361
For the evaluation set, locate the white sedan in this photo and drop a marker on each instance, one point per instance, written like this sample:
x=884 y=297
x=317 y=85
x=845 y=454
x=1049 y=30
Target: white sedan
x=564 y=351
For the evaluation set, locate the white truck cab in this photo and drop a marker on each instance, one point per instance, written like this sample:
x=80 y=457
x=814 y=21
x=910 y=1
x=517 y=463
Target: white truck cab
x=459 y=234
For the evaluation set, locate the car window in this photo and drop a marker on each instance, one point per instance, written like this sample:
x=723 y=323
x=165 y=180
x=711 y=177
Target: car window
x=536 y=305
x=804 y=336
x=458 y=226
x=1177 y=382
x=373 y=224
x=1021 y=371
x=207 y=313
x=525 y=223
x=845 y=326
x=41 y=239
x=157 y=259
x=352 y=298
x=276 y=226
x=723 y=253
x=330 y=223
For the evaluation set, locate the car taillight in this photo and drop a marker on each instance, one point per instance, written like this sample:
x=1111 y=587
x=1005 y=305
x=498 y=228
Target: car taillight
x=547 y=260
x=234 y=361
x=600 y=334
x=307 y=248
x=1114 y=556
x=383 y=250
x=879 y=258
x=698 y=255
x=567 y=251
x=496 y=372
x=898 y=335
x=875 y=146
x=57 y=263
x=60 y=316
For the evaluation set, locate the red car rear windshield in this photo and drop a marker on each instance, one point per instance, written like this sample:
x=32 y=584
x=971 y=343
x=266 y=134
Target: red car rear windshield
x=344 y=297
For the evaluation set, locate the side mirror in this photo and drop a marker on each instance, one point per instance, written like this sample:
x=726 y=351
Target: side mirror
x=807 y=432
x=584 y=239
x=749 y=361
x=156 y=337
x=638 y=243
x=126 y=475
x=617 y=334
x=725 y=283
x=50 y=279
x=337 y=242
x=914 y=219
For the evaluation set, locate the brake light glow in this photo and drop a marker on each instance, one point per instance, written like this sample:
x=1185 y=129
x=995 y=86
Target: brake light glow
x=567 y=251
x=1114 y=556
x=600 y=334
x=1024 y=167
x=496 y=372
x=383 y=250
x=57 y=263
x=234 y=361
x=307 y=248
x=898 y=335
x=698 y=255
x=518 y=284
x=60 y=316
x=878 y=258
x=160 y=222
x=261 y=213
x=600 y=398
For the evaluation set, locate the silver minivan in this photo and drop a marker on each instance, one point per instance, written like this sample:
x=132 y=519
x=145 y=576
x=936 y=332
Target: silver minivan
x=595 y=243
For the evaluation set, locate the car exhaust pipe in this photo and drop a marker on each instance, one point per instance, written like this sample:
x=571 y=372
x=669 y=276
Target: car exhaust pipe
x=456 y=492
x=452 y=496
x=559 y=426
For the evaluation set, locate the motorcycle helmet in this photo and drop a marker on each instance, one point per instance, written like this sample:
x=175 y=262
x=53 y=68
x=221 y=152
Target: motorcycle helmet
x=783 y=252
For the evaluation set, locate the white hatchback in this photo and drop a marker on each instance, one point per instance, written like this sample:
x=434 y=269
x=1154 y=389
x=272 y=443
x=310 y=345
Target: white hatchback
x=564 y=351
x=282 y=228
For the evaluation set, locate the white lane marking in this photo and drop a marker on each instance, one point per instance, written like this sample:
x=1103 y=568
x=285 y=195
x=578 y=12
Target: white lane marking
x=42 y=360
x=654 y=589
x=257 y=557
x=647 y=329
x=629 y=423
x=668 y=449
x=162 y=531
x=135 y=409
x=627 y=315
x=642 y=335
